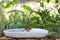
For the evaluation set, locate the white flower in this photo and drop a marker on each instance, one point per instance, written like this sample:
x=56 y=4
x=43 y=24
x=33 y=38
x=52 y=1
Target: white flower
x=10 y=0
x=41 y=8
x=49 y=5
x=6 y=16
x=0 y=0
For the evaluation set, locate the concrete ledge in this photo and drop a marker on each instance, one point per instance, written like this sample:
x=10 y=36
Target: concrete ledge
x=46 y=38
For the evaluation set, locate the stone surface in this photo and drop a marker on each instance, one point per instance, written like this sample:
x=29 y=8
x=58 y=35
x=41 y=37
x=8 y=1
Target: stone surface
x=5 y=38
x=58 y=39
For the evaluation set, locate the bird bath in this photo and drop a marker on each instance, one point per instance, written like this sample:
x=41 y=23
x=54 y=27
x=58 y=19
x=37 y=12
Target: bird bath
x=18 y=33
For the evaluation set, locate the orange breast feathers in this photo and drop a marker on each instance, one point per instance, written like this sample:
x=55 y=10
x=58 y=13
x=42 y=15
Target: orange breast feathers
x=30 y=27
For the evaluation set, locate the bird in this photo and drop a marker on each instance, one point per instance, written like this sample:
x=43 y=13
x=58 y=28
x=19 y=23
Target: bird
x=29 y=27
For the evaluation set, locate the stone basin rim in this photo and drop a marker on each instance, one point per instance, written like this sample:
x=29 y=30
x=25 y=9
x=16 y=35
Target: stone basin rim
x=18 y=29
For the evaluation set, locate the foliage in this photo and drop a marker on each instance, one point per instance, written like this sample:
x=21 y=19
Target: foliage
x=20 y=19
x=9 y=4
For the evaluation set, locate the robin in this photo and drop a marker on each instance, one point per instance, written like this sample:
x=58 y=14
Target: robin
x=28 y=28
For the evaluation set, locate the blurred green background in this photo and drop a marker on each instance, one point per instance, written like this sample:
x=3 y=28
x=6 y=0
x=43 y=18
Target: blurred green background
x=46 y=18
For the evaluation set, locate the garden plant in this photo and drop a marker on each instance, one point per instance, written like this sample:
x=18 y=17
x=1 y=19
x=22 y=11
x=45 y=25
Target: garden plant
x=48 y=18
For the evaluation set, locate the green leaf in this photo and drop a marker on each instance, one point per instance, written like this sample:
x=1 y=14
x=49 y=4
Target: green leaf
x=15 y=11
x=47 y=1
x=56 y=1
x=27 y=7
x=2 y=3
x=42 y=4
x=9 y=5
x=59 y=10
